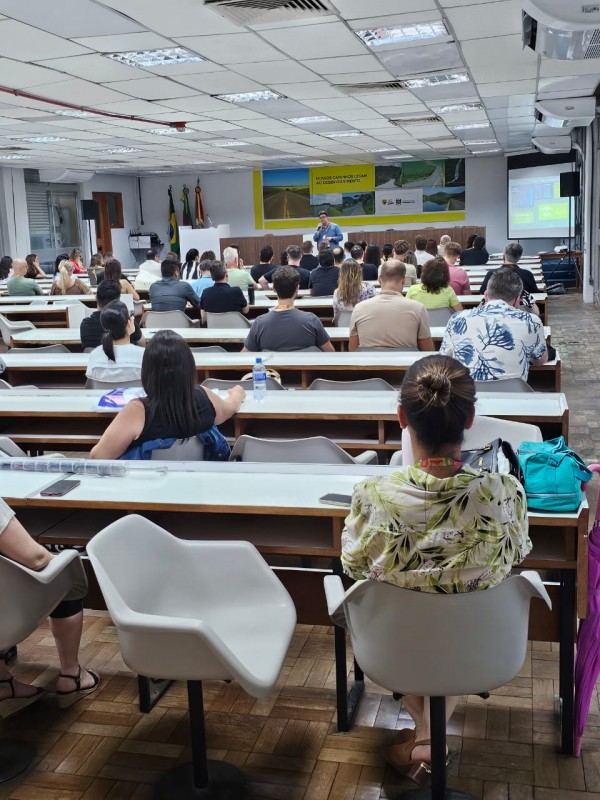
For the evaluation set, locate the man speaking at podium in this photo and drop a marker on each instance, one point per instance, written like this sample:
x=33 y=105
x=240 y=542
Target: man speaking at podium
x=327 y=231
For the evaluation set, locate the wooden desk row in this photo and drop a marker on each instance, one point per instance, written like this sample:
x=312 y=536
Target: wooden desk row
x=297 y=369
x=279 y=511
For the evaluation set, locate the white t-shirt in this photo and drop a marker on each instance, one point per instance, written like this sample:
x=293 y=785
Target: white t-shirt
x=422 y=257
x=126 y=367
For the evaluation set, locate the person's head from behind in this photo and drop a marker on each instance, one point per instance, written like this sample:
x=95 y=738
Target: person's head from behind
x=19 y=266
x=505 y=284
x=349 y=282
x=286 y=281
x=392 y=275
x=348 y=248
x=373 y=255
x=97 y=261
x=208 y=255
x=431 y=247
x=323 y=245
x=57 y=261
x=76 y=255
x=204 y=266
x=230 y=257
x=357 y=253
x=151 y=255
x=283 y=258
x=192 y=255
x=169 y=268
x=294 y=253
x=479 y=243
x=169 y=379
x=410 y=258
x=5 y=266
x=435 y=275
x=338 y=256
x=452 y=252
x=437 y=404
x=420 y=242
x=401 y=247
x=513 y=252
x=444 y=240
x=65 y=275
x=108 y=291
x=470 y=239
x=218 y=272
x=387 y=251
x=307 y=248
x=326 y=258
x=266 y=254
x=363 y=243
x=117 y=323
x=112 y=270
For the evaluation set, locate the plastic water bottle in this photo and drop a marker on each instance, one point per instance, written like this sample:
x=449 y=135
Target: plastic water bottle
x=259 y=380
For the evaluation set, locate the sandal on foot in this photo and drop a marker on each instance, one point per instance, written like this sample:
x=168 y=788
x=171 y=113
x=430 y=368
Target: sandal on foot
x=13 y=704
x=404 y=735
x=399 y=757
x=66 y=699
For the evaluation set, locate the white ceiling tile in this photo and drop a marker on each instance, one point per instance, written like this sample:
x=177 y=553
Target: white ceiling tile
x=224 y=82
x=17 y=75
x=93 y=67
x=78 y=91
x=308 y=42
x=68 y=19
x=175 y=17
x=20 y=41
x=236 y=48
x=352 y=9
x=377 y=76
x=155 y=88
x=470 y=21
x=306 y=91
x=502 y=51
x=120 y=44
x=330 y=66
x=288 y=71
x=503 y=88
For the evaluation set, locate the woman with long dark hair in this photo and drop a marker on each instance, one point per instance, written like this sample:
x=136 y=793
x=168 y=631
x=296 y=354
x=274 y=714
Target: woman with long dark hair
x=189 y=270
x=174 y=406
x=116 y=359
x=113 y=272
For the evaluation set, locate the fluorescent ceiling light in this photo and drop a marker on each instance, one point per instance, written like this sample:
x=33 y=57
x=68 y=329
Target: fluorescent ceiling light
x=395 y=158
x=114 y=150
x=38 y=139
x=436 y=80
x=493 y=150
x=249 y=97
x=230 y=168
x=168 y=131
x=342 y=134
x=468 y=126
x=159 y=171
x=380 y=150
x=67 y=112
x=398 y=34
x=112 y=166
x=156 y=58
x=314 y=163
x=456 y=108
x=307 y=120
x=13 y=157
x=475 y=142
x=232 y=143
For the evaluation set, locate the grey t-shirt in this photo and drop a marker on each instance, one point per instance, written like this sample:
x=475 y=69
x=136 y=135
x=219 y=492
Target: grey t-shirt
x=286 y=331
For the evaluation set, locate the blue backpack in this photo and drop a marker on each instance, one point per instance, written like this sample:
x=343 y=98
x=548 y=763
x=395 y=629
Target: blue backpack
x=553 y=475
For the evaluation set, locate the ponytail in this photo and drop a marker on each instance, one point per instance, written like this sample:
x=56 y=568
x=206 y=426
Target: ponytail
x=65 y=270
x=114 y=319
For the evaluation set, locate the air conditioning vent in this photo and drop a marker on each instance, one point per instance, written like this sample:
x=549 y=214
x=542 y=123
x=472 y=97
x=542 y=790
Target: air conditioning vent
x=10 y=149
x=402 y=122
x=253 y=12
x=370 y=88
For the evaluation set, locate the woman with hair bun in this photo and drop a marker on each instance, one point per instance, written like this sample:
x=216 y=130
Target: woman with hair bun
x=116 y=359
x=436 y=526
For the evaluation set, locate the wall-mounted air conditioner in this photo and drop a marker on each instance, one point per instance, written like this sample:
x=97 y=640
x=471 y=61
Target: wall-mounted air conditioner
x=569 y=112
x=550 y=145
x=562 y=29
x=65 y=176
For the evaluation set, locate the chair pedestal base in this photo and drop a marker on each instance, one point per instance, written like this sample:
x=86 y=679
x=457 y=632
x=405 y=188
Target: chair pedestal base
x=225 y=782
x=15 y=758
x=425 y=794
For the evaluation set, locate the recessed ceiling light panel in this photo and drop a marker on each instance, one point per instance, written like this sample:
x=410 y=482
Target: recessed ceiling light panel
x=400 y=34
x=380 y=150
x=475 y=142
x=469 y=126
x=456 y=108
x=68 y=112
x=397 y=157
x=307 y=120
x=342 y=134
x=166 y=57
x=443 y=79
x=13 y=157
x=168 y=131
x=314 y=163
x=250 y=97
x=38 y=139
x=232 y=143
x=118 y=150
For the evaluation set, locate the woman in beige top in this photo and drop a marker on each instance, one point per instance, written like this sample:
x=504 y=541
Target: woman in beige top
x=67 y=283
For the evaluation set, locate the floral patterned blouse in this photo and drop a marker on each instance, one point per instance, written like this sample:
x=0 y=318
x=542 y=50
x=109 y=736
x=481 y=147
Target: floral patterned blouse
x=433 y=534
x=366 y=290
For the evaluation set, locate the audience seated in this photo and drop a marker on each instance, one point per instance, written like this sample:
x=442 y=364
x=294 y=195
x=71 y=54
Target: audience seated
x=512 y=254
x=444 y=240
x=435 y=291
x=76 y=259
x=205 y=279
x=459 y=279
x=91 y=330
x=116 y=359
x=324 y=279
x=475 y=255
x=285 y=328
x=351 y=288
x=113 y=272
x=308 y=260
x=421 y=253
x=387 y=252
x=96 y=269
x=221 y=297
x=431 y=248
x=236 y=275
x=348 y=249
x=33 y=267
x=266 y=263
x=401 y=248
x=294 y=255
x=66 y=283
x=389 y=320
x=369 y=271
x=5 y=267
x=57 y=262
x=19 y=285
x=171 y=293
x=497 y=340
x=149 y=272
x=189 y=268
x=175 y=407
x=436 y=526
x=372 y=256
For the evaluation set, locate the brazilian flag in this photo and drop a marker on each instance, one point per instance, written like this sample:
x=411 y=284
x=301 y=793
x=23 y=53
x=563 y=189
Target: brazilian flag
x=173 y=230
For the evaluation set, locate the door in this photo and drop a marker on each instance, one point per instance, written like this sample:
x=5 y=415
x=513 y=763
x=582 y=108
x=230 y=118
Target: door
x=103 y=232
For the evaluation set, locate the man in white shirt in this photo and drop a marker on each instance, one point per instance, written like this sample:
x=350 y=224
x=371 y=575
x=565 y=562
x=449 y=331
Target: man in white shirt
x=421 y=254
x=401 y=248
x=149 y=271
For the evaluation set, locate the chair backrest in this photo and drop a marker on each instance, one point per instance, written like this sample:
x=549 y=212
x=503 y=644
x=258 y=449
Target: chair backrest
x=313 y=450
x=222 y=384
x=166 y=319
x=506 y=385
x=45 y=348
x=92 y=383
x=342 y=318
x=7 y=328
x=188 y=450
x=424 y=643
x=8 y=449
x=439 y=316
x=6 y=387
x=365 y=385
x=227 y=319
x=388 y=349
x=34 y=594
x=76 y=313
x=483 y=431
x=211 y=348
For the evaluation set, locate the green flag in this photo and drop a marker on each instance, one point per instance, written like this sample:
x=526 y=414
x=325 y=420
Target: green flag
x=173 y=230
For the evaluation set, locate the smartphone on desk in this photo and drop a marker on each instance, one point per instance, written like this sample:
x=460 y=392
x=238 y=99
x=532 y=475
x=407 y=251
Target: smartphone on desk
x=60 y=488
x=337 y=500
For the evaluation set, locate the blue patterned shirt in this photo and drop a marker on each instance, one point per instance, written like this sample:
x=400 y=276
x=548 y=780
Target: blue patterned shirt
x=495 y=341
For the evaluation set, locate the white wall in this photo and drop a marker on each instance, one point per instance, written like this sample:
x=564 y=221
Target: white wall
x=127 y=186
x=14 y=225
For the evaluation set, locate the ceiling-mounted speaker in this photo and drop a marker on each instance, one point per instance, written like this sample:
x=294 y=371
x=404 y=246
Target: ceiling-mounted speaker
x=89 y=210
x=552 y=145
x=570 y=185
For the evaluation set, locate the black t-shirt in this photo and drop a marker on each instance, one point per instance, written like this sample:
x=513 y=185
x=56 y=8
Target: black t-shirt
x=473 y=257
x=91 y=333
x=258 y=270
x=529 y=284
x=324 y=280
x=222 y=297
x=304 y=276
x=156 y=429
x=369 y=272
x=309 y=262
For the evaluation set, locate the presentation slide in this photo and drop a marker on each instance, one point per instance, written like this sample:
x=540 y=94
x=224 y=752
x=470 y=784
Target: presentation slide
x=535 y=208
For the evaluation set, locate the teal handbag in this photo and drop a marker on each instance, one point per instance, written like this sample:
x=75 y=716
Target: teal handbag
x=553 y=475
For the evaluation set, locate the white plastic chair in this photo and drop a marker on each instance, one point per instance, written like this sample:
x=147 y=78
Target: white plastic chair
x=208 y=348
x=432 y=645
x=190 y=449
x=484 y=431
x=506 y=385
x=227 y=319
x=166 y=319
x=364 y=385
x=439 y=316
x=92 y=383
x=177 y=617
x=313 y=450
x=342 y=318
x=222 y=384
x=8 y=328
x=44 y=348
x=27 y=598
